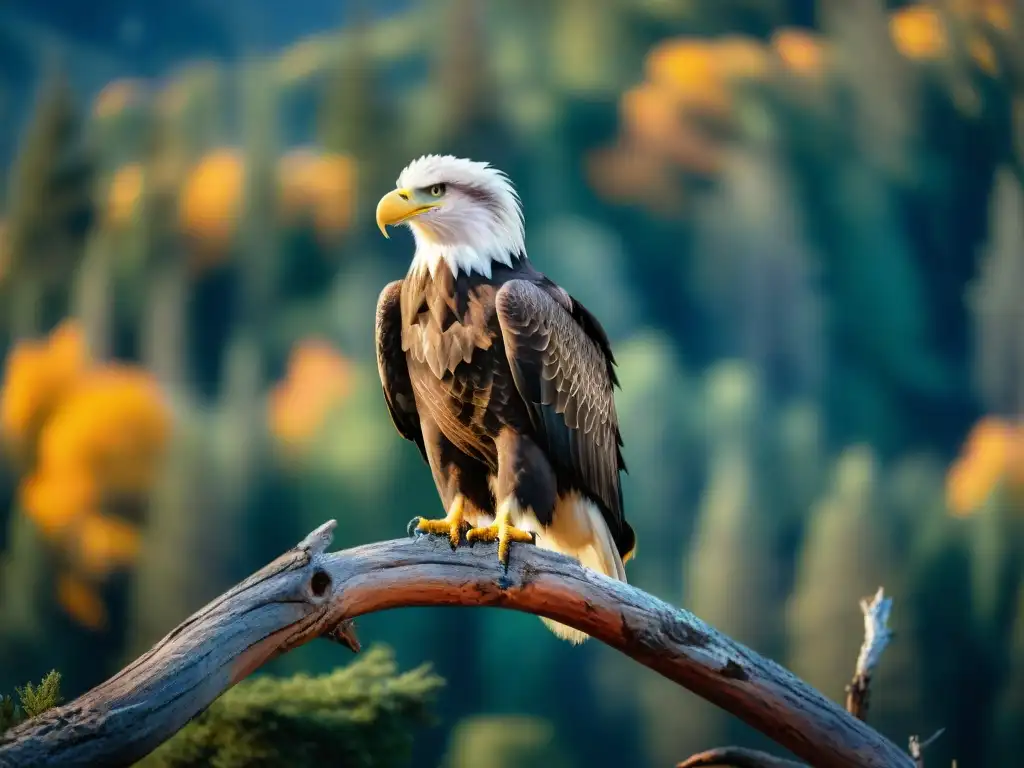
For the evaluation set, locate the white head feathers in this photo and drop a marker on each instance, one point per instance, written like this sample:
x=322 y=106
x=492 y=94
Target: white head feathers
x=477 y=219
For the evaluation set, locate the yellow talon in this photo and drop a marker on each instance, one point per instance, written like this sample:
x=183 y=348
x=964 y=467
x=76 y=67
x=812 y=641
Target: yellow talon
x=503 y=532
x=452 y=525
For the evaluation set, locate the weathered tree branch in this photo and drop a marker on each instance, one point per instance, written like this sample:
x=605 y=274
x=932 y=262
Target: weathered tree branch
x=917 y=747
x=876 y=638
x=308 y=593
x=737 y=757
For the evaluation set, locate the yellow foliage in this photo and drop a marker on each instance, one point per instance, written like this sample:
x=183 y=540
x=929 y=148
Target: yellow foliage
x=629 y=173
x=319 y=186
x=114 y=424
x=996 y=13
x=689 y=71
x=55 y=501
x=741 y=57
x=105 y=543
x=697 y=73
x=801 y=51
x=95 y=435
x=983 y=54
x=105 y=440
x=123 y=195
x=918 y=32
x=994 y=452
x=651 y=118
x=318 y=377
x=687 y=79
x=38 y=375
x=81 y=600
x=649 y=113
x=211 y=199
x=117 y=96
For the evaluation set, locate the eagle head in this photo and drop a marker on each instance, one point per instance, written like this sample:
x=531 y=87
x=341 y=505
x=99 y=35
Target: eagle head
x=463 y=214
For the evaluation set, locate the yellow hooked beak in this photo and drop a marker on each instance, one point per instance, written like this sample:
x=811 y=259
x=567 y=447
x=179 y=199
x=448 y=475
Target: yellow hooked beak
x=397 y=206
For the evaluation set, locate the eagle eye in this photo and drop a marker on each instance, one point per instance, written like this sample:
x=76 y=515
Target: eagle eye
x=437 y=190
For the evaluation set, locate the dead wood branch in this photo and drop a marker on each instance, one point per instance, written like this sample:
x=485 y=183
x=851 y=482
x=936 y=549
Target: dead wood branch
x=876 y=638
x=308 y=593
x=917 y=747
x=736 y=757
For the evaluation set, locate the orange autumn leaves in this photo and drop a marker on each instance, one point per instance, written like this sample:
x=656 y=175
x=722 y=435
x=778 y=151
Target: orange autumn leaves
x=211 y=199
x=315 y=189
x=38 y=375
x=993 y=455
x=676 y=124
x=90 y=438
x=921 y=32
x=318 y=377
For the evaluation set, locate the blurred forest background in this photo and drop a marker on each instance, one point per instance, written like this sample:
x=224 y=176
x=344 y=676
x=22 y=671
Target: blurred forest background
x=802 y=223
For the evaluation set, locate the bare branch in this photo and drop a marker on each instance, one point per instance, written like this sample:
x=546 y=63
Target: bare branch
x=917 y=747
x=737 y=757
x=308 y=592
x=876 y=638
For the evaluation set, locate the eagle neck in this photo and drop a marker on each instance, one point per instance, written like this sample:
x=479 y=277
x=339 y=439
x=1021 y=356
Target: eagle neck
x=463 y=259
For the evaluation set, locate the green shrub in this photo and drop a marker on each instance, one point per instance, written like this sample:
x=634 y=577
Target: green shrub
x=359 y=716
x=32 y=700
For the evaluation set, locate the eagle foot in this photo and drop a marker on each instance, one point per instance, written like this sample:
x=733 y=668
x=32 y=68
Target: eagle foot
x=453 y=526
x=504 y=534
x=453 y=530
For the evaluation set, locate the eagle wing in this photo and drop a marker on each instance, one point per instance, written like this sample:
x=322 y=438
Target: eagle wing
x=563 y=369
x=393 y=367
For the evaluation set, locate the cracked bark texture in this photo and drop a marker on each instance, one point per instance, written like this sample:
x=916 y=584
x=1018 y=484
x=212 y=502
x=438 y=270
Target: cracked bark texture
x=308 y=592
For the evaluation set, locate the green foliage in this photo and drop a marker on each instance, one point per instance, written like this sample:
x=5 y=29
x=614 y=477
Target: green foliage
x=1008 y=737
x=32 y=701
x=361 y=716
x=731 y=578
x=51 y=208
x=10 y=714
x=38 y=699
x=846 y=555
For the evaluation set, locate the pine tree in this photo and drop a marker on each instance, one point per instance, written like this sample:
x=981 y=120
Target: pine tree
x=732 y=578
x=1008 y=736
x=51 y=212
x=361 y=715
x=847 y=554
x=51 y=209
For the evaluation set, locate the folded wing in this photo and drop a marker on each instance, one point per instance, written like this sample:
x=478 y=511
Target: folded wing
x=562 y=367
x=393 y=368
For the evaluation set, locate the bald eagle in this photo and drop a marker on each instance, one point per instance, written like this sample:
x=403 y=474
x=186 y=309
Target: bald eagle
x=501 y=378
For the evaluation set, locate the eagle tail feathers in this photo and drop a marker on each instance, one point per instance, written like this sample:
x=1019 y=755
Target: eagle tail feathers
x=580 y=532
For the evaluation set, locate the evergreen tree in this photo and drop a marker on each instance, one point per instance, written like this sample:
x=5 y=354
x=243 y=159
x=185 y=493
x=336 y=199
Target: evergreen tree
x=51 y=211
x=1008 y=733
x=847 y=554
x=732 y=578
x=358 y=716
